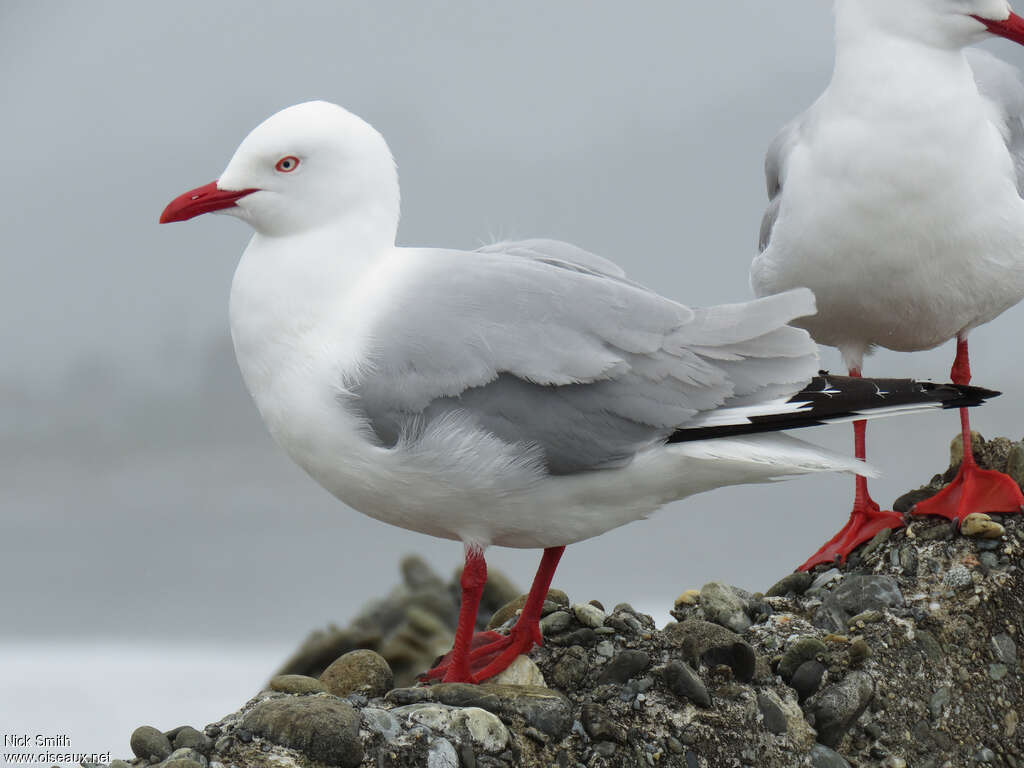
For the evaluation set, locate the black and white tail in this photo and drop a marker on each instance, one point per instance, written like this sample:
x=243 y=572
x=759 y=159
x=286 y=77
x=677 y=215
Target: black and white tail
x=832 y=399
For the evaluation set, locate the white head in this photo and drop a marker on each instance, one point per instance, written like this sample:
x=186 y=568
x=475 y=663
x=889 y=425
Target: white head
x=941 y=23
x=308 y=166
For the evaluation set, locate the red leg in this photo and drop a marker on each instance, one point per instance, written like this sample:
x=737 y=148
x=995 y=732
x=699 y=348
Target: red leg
x=866 y=519
x=493 y=652
x=973 y=489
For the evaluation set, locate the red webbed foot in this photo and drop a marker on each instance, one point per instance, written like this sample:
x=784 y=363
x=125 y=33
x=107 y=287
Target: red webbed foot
x=866 y=520
x=973 y=490
x=490 y=654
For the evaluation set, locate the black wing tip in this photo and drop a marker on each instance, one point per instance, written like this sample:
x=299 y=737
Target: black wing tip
x=961 y=395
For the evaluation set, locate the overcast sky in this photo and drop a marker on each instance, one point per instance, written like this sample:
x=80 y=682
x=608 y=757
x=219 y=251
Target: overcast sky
x=131 y=462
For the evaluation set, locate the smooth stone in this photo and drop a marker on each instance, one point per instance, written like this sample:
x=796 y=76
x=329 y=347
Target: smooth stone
x=803 y=648
x=571 y=668
x=1004 y=648
x=189 y=737
x=956 y=447
x=997 y=671
x=856 y=594
x=684 y=683
x=522 y=671
x=795 y=583
x=723 y=606
x=938 y=701
x=588 y=615
x=713 y=644
x=823 y=757
x=600 y=725
x=807 y=679
x=418 y=575
x=324 y=728
x=147 y=742
x=823 y=580
x=1015 y=463
x=381 y=721
x=688 y=598
x=189 y=754
x=980 y=526
x=542 y=708
x=442 y=754
x=774 y=718
x=297 y=684
x=360 y=671
x=838 y=706
x=556 y=622
x=626 y=665
x=485 y=730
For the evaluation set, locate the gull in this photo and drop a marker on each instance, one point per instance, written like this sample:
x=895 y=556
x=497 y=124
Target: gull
x=896 y=198
x=526 y=394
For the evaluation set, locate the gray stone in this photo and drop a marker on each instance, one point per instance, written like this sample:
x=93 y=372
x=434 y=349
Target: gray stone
x=188 y=754
x=823 y=757
x=804 y=648
x=297 y=684
x=626 y=665
x=600 y=725
x=605 y=648
x=957 y=577
x=542 y=708
x=188 y=737
x=381 y=721
x=147 y=742
x=685 y=683
x=856 y=594
x=556 y=622
x=713 y=644
x=985 y=755
x=1005 y=648
x=360 y=671
x=324 y=728
x=795 y=583
x=588 y=615
x=442 y=755
x=723 y=606
x=837 y=707
x=939 y=701
x=571 y=667
x=807 y=679
x=823 y=580
x=998 y=671
x=774 y=718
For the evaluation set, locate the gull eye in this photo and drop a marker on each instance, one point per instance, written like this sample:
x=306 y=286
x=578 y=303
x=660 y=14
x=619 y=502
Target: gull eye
x=287 y=164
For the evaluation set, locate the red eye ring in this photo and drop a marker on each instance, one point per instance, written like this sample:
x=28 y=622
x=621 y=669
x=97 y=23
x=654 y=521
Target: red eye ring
x=287 y=164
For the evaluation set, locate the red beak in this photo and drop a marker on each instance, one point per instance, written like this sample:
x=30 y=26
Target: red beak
x=1012 y=28
x=200 y=200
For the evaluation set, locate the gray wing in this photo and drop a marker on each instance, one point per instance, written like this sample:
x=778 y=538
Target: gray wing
x=774 y=171
x=1000 y=83
x=565 y=355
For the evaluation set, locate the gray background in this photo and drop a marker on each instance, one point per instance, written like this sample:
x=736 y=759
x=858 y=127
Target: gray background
x=139 y=494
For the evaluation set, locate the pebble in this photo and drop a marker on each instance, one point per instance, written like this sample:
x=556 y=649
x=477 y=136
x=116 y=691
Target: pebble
x=360 y=671
x=684 y=683
x=627 y=664
x=714 y=644
x=856 y=594
x=985 y=755
x=957 y=577
x=297 y=684
x=802 y=649
x=542 y=708
x=989 y=560
x=723 y=606
x=822 y=580
x=522 y=671
x=442 y=755
x=588 y=615
x=600 y=725
x=606 y=649
x=997 y=671
x=556 y=622
x=981 y=526
x=774 y=718
x=189 y=755
x=823 y=757
x=189 y=737
x=807 y=679
x=939 y=701
x=688 y=598
x=147 y=742
x=795 y=583
x=837 y=707
x=1015 y=463
x=1005 y=648
x=324 y=728
x=858 y=651
x=571 y=668
x=381 y=721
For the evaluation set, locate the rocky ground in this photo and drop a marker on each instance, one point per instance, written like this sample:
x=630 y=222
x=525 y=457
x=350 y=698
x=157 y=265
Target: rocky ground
x=906 y=656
